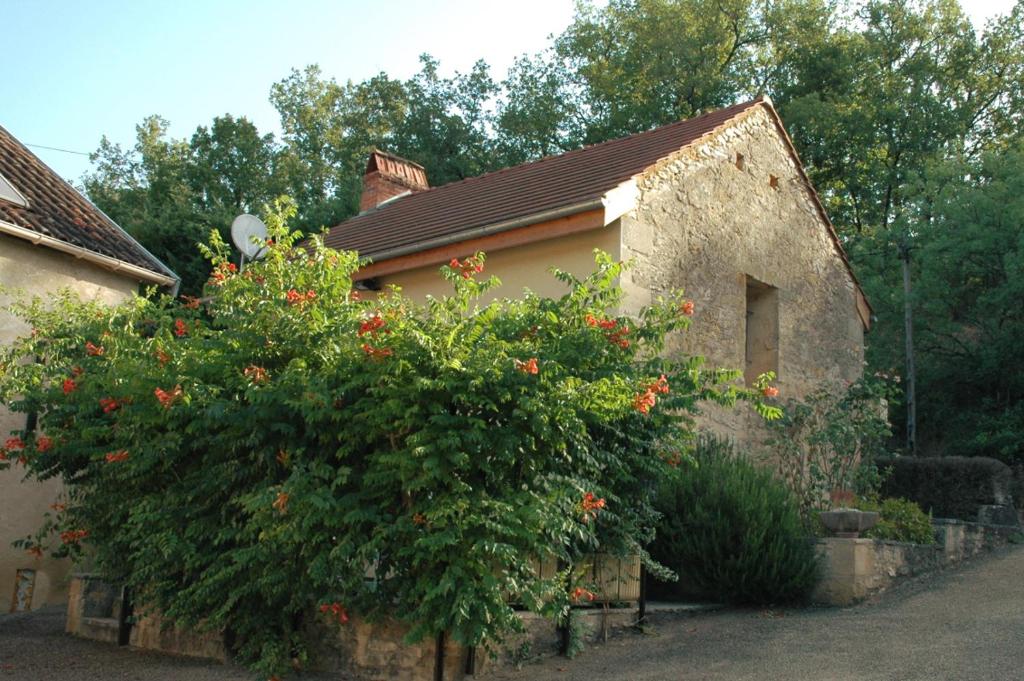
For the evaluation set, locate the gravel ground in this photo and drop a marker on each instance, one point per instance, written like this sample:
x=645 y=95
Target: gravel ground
x=34 y=647
x=966 y=625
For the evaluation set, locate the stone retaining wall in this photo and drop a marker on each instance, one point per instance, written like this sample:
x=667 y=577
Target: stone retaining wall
x=369 y=651
x=854 y=569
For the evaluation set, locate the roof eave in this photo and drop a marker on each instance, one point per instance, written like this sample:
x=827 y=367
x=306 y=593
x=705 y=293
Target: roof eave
x=105 y=261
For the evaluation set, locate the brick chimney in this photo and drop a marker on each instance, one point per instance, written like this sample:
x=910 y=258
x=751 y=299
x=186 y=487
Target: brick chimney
x=388 y=176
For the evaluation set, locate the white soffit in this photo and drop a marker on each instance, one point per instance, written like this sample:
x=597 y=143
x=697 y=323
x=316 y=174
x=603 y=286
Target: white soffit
x=10 y=194
x=620 y=200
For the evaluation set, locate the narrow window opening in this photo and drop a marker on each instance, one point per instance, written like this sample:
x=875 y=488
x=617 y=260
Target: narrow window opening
x=762 y=330
x=740 y=161
x=773 y=181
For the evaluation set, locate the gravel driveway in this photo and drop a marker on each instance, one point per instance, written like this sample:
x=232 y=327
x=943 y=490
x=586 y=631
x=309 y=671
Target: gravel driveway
x=965 y=625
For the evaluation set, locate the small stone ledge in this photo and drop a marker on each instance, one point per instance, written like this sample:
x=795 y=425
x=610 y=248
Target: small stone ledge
x=854 y=569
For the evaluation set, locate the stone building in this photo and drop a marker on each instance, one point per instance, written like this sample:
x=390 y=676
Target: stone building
x=718 y=205
x=51 y=238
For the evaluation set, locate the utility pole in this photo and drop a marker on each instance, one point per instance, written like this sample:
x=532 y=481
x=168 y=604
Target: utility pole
x=908 y=324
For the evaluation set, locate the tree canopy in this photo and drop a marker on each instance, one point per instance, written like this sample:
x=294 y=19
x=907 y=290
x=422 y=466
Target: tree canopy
x=885 y=101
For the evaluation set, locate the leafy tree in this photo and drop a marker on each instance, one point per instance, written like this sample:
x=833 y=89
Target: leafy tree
x=170 y=193
x=967 y=226
x=897 y=86
x=284 y=449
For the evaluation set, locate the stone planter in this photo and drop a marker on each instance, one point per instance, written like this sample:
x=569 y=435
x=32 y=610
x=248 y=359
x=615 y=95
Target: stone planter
x=848 y=523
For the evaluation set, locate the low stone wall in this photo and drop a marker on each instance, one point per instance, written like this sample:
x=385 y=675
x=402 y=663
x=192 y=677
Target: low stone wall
x=369 y=651
x=149 y=632
x=853 y=569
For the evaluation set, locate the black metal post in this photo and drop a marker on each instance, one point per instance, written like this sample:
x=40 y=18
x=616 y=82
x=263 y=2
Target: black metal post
x=124 y=618
x=642 y=614
x=439 y=658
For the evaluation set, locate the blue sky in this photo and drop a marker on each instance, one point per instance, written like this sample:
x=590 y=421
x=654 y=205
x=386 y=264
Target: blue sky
x=77 y=70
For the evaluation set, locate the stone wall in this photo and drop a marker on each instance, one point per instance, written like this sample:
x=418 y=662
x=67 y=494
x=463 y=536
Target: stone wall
x=37 y=270
x=359 y=649
x=854 y=569
x=715 y=227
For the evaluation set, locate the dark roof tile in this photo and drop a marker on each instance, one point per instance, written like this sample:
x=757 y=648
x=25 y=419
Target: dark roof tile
x=56 y=209
x=520 y=191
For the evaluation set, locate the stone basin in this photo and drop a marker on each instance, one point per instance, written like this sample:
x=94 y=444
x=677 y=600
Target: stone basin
x=848 y=523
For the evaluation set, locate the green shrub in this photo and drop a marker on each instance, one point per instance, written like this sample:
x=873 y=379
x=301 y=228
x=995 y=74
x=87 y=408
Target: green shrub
x=240 y=462
x=948 y=486
x=733 y=531
x=829 y=441
x=900 y=520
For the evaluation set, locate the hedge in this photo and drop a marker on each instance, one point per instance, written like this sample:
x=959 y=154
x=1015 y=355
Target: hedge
x=948 y=486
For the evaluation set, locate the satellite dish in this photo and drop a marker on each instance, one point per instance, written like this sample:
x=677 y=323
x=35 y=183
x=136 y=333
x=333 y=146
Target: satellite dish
x=249 y=234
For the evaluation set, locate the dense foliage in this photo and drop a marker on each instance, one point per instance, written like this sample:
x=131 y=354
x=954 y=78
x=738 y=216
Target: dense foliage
x=908 y=119
x=733 y=531
x=829 y=441
x=281 y=448
x=898 y=520
x=948 y=486
x=968 y=273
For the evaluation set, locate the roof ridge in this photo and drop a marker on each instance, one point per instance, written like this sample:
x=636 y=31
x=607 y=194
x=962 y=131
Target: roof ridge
x=739 y=106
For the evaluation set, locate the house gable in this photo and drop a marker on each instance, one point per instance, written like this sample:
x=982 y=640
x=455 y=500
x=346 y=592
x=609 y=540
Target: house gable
x=733 y=220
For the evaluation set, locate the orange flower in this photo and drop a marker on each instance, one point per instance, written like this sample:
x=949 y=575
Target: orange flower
x=616 y=335
x=590 y=505
x=69 y=386
x=371 y=326
x=115 y=457
x=579 y=592
x=643 y=402
x=167 y=398
x=14 y=443
x=528 y=367
x=256 y=374
x=419 y=519
x=73 y=536
x=376 y=353
x=191 y=302
x=687 y=308
x=355 y=296
x=770 y=391
x=296 y=298
x=94 y=350
x=58 y=507
x=109 y=405
x=179 y=328
x=43 y=443
x=673 y=459
x=283 y=457
x=281 y=503
x=337 y=610
x=468 y=267
x=162 y=356
x=222 y=272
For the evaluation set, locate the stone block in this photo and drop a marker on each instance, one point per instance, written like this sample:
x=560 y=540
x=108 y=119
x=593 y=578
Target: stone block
x=151 y=632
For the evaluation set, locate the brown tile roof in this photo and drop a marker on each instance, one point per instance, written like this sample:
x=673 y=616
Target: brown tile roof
x=520 y=191
x=57 y=210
